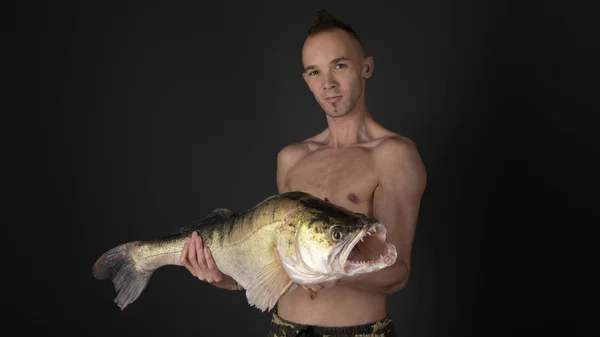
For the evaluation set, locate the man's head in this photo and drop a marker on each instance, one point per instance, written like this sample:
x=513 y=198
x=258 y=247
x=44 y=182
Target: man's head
x=335 y=66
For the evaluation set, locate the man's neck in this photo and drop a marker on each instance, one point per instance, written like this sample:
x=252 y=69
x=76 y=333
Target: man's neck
x=349 y=129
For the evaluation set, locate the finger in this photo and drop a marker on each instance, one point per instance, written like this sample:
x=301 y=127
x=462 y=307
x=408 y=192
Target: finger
x=314 y=288
x=329 y=284
x=183 y=258
x=212 y=266
x=201 y=260
x=307 y=288
x=192 y=256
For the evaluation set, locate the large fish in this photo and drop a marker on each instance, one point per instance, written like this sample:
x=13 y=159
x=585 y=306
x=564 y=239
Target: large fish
x=287 y=240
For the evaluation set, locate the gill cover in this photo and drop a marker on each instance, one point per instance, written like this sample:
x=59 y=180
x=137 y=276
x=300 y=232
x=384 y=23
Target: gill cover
x=307 y=251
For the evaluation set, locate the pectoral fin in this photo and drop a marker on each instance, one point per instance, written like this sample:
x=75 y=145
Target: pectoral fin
x=269 y=284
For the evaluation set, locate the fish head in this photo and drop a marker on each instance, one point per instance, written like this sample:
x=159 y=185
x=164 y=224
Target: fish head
x=331 y=242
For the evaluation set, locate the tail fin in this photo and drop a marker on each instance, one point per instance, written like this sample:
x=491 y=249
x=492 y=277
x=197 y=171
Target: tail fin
x=119 y=266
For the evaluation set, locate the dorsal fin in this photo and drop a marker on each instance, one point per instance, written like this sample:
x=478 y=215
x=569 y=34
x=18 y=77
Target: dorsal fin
x=217 y=215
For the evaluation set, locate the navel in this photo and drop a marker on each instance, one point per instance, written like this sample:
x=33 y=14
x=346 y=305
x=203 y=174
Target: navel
x=352 y=197
x=326 y=199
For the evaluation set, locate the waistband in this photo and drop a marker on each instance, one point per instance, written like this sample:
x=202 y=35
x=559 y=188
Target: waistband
x=280 y=327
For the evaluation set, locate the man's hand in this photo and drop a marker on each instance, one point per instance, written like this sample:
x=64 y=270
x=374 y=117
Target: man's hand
x=315 y=288
x=199 y=261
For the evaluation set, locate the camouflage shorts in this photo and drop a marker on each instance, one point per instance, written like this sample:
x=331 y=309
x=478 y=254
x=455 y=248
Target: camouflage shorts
x=282 y=328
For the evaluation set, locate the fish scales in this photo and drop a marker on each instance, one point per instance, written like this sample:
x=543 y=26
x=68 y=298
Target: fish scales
x=286 y=240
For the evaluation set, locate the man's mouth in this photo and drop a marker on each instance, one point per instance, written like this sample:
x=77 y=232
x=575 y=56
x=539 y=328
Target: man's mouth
x=333 y=99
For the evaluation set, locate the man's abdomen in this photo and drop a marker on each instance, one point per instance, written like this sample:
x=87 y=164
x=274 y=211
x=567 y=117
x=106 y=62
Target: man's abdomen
x=337 y=306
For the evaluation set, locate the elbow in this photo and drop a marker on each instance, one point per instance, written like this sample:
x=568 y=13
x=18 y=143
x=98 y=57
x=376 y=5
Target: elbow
x=399 y=281
x=395 y=287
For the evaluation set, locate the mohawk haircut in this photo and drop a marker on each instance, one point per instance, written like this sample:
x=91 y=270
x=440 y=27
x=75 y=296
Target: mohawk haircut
x=327 y=22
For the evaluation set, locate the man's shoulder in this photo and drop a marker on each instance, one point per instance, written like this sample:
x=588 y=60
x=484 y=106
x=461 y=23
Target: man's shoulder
x=293 y=151
x=394 y=144
x=287 y=158
x=398 y=154
x=296 y=151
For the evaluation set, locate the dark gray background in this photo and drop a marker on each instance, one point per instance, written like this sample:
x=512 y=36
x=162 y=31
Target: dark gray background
x=152 y=114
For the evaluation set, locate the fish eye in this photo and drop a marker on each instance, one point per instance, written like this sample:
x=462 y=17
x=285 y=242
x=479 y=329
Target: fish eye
x=336 y=233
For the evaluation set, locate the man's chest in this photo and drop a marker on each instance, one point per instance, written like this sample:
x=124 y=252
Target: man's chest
x=347 y=179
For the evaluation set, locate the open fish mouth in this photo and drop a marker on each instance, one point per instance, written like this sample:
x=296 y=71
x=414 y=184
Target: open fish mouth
x=367 y=251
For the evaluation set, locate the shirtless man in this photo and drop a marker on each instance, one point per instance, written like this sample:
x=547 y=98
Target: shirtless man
x=355 y=163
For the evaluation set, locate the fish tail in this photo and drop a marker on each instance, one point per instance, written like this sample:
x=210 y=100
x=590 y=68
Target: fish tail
x=119 y=265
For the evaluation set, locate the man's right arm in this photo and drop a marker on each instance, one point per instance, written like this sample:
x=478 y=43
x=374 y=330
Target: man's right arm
x=197 y=259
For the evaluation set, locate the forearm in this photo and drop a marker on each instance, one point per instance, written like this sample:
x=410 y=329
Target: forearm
x=386 y=281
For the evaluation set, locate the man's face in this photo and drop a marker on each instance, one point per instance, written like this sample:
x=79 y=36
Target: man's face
x=334 y=69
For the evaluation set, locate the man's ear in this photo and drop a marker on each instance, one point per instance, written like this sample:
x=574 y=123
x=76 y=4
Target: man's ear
x=368 y=67
x=305 y=79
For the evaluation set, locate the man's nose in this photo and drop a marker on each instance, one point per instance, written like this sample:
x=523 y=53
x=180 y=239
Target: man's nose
x=329 y=81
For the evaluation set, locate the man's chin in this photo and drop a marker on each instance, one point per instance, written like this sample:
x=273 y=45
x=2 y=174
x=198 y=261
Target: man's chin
x=335 y=113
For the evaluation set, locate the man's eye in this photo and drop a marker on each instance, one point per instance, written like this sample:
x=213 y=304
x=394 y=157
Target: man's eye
x=340 y=65
x=313 y=73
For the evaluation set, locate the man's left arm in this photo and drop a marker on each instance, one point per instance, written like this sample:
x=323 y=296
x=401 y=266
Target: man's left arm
x=396 y=203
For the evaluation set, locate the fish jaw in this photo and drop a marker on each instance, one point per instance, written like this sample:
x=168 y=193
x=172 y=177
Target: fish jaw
x=369 y=251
